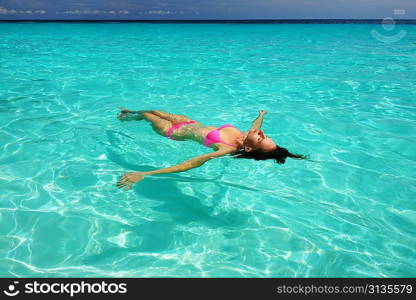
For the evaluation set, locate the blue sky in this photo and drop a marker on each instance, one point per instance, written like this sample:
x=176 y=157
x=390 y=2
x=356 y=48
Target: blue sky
x=206 y=9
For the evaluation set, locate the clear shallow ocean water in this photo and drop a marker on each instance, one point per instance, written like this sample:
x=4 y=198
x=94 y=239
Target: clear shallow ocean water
x=333 y=92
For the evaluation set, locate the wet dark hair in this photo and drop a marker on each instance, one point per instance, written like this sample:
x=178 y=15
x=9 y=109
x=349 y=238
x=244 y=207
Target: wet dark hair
x=279 y=154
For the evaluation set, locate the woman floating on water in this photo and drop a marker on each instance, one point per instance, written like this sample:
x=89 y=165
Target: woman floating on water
x=251 y=144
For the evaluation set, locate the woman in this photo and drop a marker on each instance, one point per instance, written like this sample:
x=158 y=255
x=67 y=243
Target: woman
x=223 y=140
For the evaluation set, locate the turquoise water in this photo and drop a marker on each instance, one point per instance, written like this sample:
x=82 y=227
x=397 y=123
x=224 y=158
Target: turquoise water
x=333 y=92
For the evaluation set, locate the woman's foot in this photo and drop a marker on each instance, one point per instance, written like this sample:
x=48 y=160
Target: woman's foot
x=128 y=115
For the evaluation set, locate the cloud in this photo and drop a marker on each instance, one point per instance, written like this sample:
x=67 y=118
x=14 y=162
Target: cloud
x=94 y=12
x=158 y=12
x=161 y=12
x=5 y=11
x=208 y=9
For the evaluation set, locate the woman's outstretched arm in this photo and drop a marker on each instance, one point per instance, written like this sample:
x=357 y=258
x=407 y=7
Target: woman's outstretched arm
x=130 y=178
x=259 y=120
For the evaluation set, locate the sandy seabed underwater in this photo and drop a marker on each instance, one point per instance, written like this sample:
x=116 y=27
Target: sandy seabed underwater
x=333 y=91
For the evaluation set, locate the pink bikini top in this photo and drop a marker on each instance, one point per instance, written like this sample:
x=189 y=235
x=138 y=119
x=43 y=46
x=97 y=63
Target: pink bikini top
x=214 y=137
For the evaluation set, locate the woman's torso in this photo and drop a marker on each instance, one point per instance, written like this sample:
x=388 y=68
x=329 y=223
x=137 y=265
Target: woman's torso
x=198 y=132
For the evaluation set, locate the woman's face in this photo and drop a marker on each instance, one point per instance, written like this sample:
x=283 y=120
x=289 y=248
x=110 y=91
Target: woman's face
x=257 y=141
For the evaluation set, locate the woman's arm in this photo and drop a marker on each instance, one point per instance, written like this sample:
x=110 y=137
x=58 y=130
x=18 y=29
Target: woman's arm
x=259 y=121
x=128 y=179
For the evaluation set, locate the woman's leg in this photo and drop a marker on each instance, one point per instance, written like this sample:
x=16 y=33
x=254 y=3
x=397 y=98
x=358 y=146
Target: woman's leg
x=129 y=115
x=159 y=125
x=174 y=119
x=161 y=121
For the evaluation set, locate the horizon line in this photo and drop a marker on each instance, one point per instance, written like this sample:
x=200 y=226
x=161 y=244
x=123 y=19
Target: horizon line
x=205 y=20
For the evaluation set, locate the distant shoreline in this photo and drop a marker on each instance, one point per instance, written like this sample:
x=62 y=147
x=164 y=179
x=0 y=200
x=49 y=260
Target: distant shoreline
x=250 y=21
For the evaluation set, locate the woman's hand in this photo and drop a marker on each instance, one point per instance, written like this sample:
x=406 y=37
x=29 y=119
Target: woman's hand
x=128 y=179
x=262 y=112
